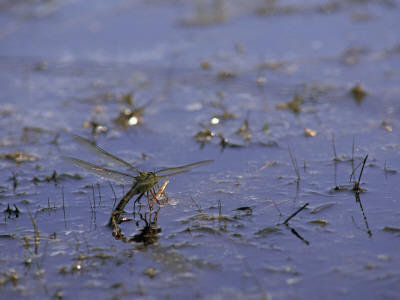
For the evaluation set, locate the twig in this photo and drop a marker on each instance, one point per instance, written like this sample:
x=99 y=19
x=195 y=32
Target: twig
x=299 y=210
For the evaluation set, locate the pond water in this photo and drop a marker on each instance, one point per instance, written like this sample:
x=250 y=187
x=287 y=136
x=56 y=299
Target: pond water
x=286 y=98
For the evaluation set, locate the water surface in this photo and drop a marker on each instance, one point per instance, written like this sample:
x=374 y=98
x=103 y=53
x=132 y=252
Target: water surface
x=163 y=84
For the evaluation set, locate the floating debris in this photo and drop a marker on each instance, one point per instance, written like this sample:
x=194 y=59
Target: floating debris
x=151 y=272
x=19 y=157
x=206 y=65
x=127 y=99
x=321 y=222
x=268 y=164
x=130 y=114
x=272 y=65
x=310 y=132
x=387 y=126
x=130 y=117
x=391 y=229
x=265 y=127
x=41 y=66
x=244 y=130
x=243 y=211
x=31 y=134
x=214 y=121
x=267 y=231
x=226 y=75
x=358 y=93
x=261 y=80
x=53 y=177
x=96 y=128
x=321 y=207
x=293 y=105
x=352 y=56
x=225 y=115
x=202 y=229
x=225 y=143
x=205 y=135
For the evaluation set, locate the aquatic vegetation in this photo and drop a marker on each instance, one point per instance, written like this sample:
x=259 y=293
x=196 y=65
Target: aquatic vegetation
x=356 y=186
x=295 y=165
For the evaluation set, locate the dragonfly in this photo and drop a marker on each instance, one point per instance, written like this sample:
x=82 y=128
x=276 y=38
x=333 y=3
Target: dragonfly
x=142 y=182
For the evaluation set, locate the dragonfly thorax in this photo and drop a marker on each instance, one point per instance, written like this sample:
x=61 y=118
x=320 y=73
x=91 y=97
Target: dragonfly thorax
x=145 y=181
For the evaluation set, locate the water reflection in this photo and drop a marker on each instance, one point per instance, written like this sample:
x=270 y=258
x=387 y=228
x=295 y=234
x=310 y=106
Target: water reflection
x=358 y=200
x=12 y=213
x=148 y=228
x=355 y=187
x=292 y=230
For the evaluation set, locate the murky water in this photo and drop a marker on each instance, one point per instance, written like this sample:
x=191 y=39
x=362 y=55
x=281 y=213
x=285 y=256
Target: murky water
x=287 y=98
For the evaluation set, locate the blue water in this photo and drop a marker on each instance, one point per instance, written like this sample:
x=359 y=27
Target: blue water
x=65 y=66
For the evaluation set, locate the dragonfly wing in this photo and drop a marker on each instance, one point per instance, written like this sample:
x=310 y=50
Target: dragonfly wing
x=185 y=167
x=172 y=174
x=100 y=171
x=102 y=153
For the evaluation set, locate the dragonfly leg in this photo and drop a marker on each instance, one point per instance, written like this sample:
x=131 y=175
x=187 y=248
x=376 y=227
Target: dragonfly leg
x=137 y=200
x=154 y=196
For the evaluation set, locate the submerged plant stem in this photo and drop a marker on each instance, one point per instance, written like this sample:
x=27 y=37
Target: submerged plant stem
x=334 y=148
x=36 y=231
x=295 y=165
